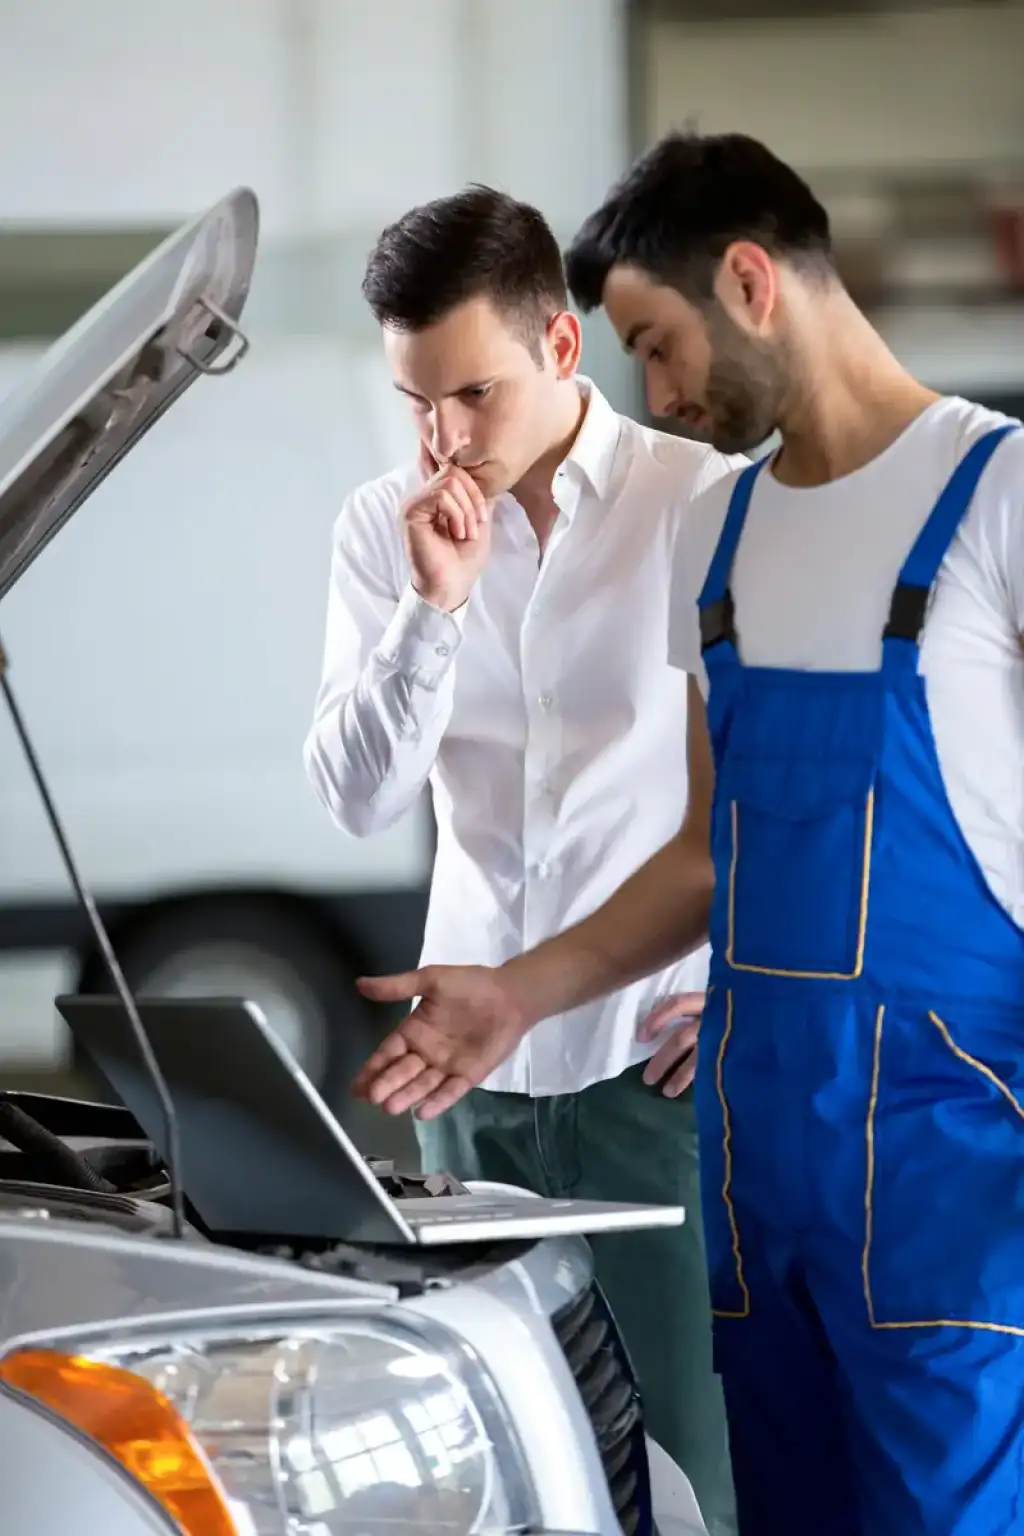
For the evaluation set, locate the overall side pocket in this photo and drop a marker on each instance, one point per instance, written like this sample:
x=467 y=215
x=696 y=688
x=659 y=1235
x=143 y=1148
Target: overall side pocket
x=944 y=1202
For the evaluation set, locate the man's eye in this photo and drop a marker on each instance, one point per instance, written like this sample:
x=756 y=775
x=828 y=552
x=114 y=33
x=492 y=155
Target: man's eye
x=478 y=392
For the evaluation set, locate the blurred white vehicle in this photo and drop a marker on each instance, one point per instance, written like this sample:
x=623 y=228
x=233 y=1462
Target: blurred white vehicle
x=166 y=652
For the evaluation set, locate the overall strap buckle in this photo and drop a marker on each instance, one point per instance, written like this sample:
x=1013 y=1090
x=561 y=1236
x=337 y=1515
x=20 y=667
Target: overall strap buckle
x=907 y=612
x=718 y=622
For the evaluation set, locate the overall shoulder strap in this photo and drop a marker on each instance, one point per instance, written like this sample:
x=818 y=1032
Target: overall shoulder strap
x=717 y=614
x=910 y=597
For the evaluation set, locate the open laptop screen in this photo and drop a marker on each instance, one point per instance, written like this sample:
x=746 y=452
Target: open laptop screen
x=260 y=1151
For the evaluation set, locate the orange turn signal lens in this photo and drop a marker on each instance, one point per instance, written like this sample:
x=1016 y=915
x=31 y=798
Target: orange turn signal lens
x=134 y=1423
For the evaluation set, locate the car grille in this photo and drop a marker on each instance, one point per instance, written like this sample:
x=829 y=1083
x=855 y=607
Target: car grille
x=597 y=1357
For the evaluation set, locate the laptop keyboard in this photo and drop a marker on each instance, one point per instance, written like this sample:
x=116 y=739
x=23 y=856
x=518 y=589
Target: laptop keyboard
x=461 y=1210
x=414 y=1186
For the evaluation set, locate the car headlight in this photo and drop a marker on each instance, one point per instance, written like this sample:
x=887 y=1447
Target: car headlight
x=356 y=1426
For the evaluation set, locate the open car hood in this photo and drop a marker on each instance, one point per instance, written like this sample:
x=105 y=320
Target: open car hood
x=102 y=385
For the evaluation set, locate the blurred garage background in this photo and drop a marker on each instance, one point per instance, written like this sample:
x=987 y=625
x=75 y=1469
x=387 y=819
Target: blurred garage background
x=166 y=649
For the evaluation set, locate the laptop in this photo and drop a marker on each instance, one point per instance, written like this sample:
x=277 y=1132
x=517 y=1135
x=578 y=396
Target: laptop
x=262 y=1153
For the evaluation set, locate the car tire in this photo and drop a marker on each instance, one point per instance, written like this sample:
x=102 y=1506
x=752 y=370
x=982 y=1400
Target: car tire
x=289 y=962
x=263 y=951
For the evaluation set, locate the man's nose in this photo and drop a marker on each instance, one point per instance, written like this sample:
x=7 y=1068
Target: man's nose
x=449 y=434
x=661 y=397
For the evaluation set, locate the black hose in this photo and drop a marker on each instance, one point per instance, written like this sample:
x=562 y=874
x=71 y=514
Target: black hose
x=64 y=1165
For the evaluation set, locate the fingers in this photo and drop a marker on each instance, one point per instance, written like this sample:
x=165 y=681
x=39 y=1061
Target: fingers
x=429 y=466
x=674 y=1053
x=481 y=505
x=681 y=1078
x=397 y=1101
x=450 y=499
x=684 y=1005
x=428 y=1093
x=385 y=1083
x=658 y=1019
x=390 y=1050
x=451 y=1090
x=463 y=504
x=392 y=989
x=458 y=512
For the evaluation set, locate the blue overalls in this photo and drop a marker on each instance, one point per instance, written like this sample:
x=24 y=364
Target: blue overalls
x=860 y=1094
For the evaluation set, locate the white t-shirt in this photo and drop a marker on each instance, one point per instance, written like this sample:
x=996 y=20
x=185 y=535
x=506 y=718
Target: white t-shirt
x=812 y=583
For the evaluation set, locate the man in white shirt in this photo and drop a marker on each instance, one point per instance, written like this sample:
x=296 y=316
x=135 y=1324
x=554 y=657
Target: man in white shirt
x=496 y=629
x=851 y=610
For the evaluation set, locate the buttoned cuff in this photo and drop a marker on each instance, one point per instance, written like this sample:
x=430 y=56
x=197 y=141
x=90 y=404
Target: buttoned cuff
x=421 y=641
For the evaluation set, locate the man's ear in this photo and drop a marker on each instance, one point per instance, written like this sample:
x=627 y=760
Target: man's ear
x=747 y=286
x=564 y=343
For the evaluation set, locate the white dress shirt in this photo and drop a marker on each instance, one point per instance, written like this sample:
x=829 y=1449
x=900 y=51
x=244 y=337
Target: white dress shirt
x=544 y=715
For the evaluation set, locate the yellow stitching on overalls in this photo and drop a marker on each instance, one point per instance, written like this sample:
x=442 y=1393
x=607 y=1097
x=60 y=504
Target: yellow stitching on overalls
x=765 y=970
x=979 y=1066
x=943 y=1322
x=727 y=1156
x=869 y=1185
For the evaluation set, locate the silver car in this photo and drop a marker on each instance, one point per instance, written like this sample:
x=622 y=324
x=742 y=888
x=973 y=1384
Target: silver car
x=154 y=1380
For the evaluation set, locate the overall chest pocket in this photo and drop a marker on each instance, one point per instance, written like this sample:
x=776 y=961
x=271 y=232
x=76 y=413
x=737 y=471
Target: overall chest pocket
x=793 y=854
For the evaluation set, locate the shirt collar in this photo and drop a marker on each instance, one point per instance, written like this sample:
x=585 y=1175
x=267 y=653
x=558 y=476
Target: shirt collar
x=592 y=455
x=590 y=461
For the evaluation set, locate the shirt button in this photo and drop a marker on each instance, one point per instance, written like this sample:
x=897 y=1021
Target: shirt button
x=545 y=701
x=543 y=870
x=442 y=650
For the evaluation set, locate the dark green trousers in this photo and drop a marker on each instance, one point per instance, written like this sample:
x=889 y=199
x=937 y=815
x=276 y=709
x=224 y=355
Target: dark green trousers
x=620 y=1140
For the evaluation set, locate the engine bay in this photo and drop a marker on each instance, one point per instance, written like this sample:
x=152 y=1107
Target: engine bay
x=75 y=1160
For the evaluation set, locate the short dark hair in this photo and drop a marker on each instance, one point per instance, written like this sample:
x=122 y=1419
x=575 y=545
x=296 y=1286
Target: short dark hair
x=477 y=244
x=683 y=203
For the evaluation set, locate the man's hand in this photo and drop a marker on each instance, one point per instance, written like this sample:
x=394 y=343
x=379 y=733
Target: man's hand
x=446 y=527
x=674 y=1063
x=467 y=1023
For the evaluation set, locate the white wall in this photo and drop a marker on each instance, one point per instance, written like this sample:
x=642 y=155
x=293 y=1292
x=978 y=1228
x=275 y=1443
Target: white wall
x=415 y=96
x=135 y=110
x=339 y=112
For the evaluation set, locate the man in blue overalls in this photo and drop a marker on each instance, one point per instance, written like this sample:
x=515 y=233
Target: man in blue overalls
x=850 y=611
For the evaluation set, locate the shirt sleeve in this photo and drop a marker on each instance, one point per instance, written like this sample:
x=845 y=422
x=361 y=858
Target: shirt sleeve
x=692 y=551
x=387 y=681
x=1009 y=469
x=985 y=564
